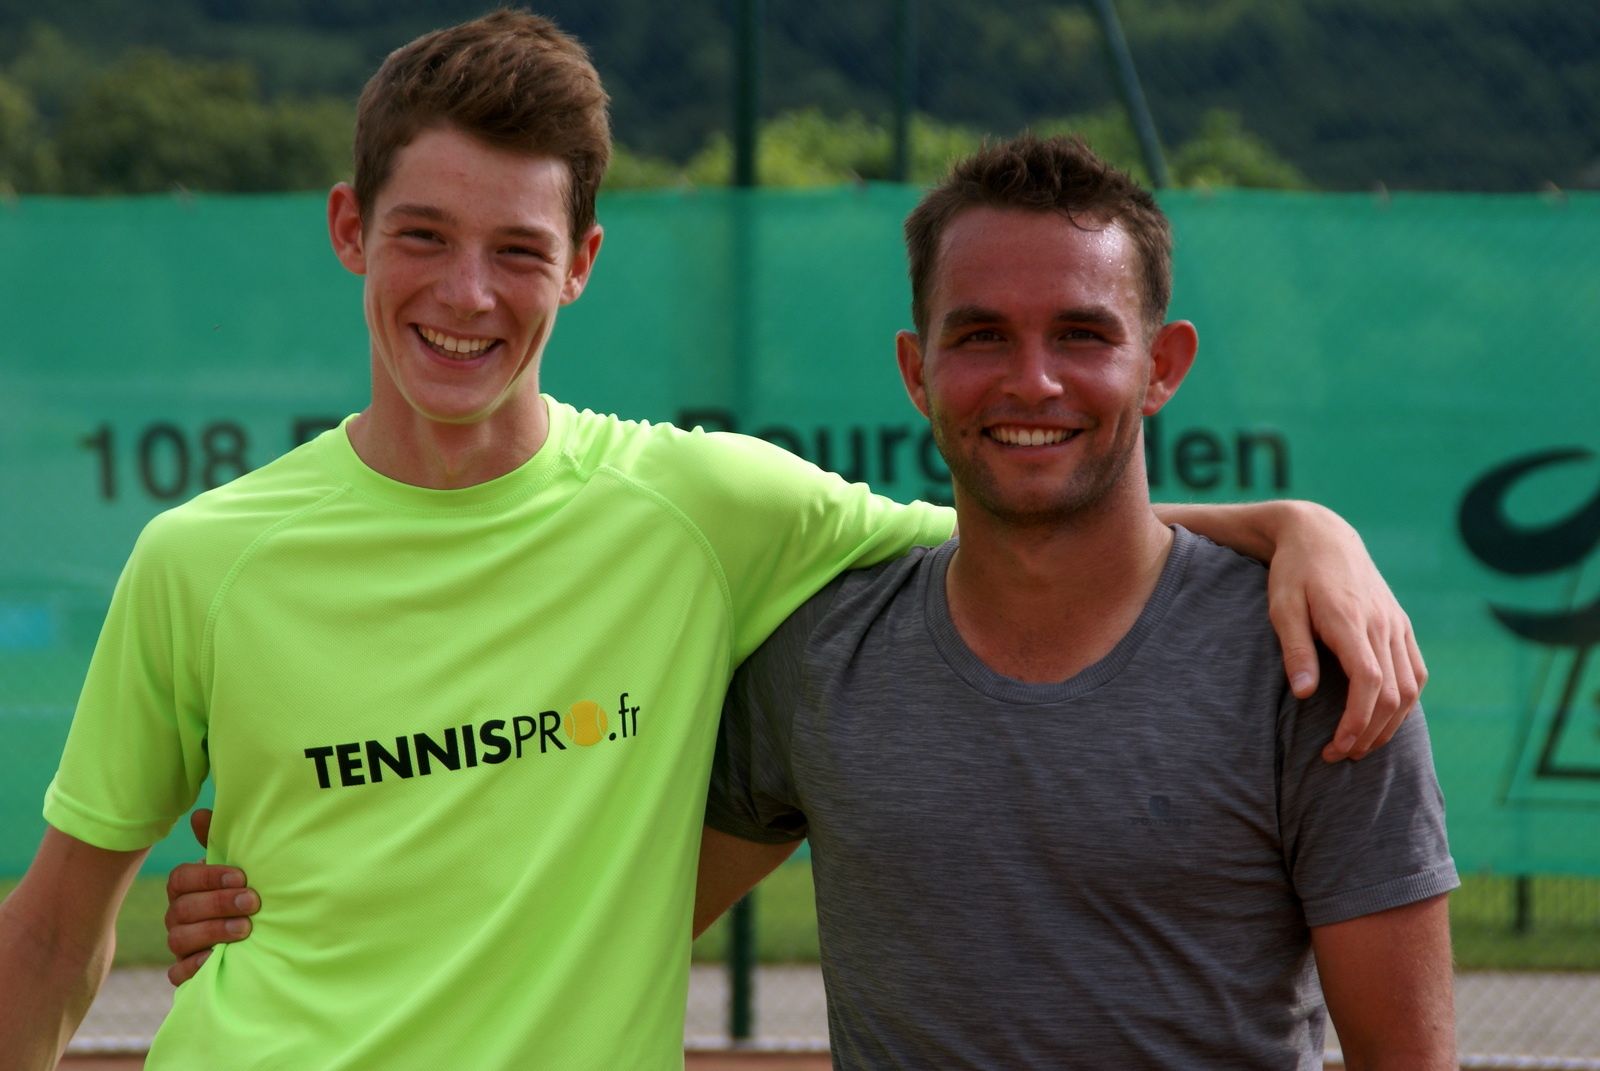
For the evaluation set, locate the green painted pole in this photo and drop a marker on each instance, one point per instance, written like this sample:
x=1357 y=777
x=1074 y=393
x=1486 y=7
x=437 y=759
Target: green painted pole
x=1132 y=94
x=747 y=94
x=742 y=968
x=905 y=66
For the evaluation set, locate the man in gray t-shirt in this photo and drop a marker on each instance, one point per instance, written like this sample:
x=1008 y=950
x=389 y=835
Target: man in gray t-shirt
x=1064 y=808
x=1119 y=869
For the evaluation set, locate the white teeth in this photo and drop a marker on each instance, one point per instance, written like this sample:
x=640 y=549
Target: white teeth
x=1014 y=436
x=451 y=344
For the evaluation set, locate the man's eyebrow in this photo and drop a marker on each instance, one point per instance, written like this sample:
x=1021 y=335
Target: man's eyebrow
x=536 y=234
x=421 y=212
x=439 y=215
x=1096 y=315
x=1092 y=315
x=967 y=315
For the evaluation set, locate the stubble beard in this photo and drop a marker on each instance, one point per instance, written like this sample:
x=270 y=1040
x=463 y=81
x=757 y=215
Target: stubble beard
x=1089 y=485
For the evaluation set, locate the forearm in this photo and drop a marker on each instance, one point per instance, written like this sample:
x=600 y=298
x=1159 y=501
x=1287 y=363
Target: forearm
x=47 y=983
x=57 y=934
x=1322 y=584
x=1254 y=529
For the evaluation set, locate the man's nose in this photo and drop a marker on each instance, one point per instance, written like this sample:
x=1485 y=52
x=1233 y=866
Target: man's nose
x=465 y=287
x=1034 y=373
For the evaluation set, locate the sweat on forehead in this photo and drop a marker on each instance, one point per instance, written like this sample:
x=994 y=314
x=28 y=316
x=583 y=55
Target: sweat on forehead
x=1013 y=266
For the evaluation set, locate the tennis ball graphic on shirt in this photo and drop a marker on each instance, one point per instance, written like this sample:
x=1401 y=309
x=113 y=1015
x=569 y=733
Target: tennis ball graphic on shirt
x=586 y=723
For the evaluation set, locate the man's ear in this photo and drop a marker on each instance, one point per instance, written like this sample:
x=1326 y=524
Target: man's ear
x=344 y=228
x=908 y=354
x=1171 y=356
x=584 y=253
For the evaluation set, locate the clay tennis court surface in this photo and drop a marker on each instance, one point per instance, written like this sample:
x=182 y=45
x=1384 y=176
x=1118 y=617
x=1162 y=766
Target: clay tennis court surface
x=693 y=1061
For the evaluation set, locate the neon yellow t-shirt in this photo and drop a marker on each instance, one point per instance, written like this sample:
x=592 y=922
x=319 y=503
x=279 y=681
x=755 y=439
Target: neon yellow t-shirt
x=460 y=739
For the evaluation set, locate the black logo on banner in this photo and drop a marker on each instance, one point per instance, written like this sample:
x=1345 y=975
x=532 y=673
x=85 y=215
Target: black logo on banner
x=1559 y=737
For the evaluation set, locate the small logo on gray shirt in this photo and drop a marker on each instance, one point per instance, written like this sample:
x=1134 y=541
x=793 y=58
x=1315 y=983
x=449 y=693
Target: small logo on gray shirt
x=1160 y=814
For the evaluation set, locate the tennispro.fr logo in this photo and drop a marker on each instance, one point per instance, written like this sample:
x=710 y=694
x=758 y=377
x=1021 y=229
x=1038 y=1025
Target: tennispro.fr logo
x=463 y=747
x=1557 y=757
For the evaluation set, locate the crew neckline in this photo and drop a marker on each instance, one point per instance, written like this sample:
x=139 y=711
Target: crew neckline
x=341 y=457
x=977 y=673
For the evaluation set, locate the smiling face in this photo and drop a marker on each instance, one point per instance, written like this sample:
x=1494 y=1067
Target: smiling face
x=1037 y=367
x=467 y=257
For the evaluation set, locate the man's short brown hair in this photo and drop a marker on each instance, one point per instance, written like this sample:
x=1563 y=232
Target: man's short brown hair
x=511 y=79
x=1059 y=174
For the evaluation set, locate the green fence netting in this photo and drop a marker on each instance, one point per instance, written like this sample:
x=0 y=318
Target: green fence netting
x=1425 y=364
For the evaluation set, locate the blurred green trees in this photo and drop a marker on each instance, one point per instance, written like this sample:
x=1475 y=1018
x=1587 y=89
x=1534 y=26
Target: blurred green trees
x=1333 y=94
x=151 y=122
x=808 y=148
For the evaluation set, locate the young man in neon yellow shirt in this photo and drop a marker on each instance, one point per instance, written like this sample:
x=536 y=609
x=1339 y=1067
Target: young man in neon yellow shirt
x=476 y=633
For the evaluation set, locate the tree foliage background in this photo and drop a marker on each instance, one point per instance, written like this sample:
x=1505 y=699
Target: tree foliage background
x=128 y=96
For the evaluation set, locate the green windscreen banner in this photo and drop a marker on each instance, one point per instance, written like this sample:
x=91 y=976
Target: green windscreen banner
x=1426 y=365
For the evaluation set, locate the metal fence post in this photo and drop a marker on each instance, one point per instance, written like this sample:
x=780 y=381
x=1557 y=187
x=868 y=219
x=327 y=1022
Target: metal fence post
x=741 y=968
x=1132 y=94
x=746 y=134
x=747 y=94
x=905 y=66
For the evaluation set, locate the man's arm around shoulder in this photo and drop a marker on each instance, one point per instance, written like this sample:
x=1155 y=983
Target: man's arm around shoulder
x=1387 y=980
x=57 y=935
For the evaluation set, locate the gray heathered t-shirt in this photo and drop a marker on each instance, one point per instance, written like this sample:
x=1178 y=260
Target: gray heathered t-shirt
x=1115 y=871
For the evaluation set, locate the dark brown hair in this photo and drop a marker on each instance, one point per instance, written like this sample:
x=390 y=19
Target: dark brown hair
x=510 y=78
x=1058 y=174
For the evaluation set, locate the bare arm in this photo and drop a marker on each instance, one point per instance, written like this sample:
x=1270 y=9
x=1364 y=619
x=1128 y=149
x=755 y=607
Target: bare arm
x=1322 y=581
x=730 y=867
x=57 y=936
x=1387 y=980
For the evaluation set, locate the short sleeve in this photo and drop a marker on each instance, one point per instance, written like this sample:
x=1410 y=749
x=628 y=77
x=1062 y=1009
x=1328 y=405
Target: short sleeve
x=752 y=793
x=781 y=528
x=1359 y=837
x=135 y=756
